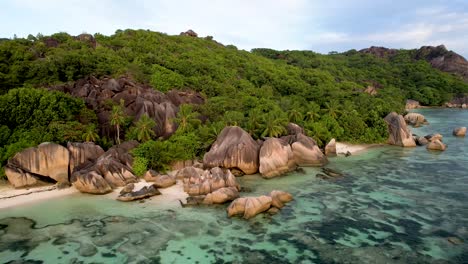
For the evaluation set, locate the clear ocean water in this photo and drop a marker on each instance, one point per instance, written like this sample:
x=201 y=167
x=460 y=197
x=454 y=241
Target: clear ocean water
x=394 y=205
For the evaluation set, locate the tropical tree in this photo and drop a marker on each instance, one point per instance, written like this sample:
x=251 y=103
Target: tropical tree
x=294 y=116
x=186 y=118
x=273 y=125
x=332 y=108
x=312 y=113
x=144 y=128
x=254 y=121
x=117 y=118
x=90 y=134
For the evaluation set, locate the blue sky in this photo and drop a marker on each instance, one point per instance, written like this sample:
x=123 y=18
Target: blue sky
x=321 y=26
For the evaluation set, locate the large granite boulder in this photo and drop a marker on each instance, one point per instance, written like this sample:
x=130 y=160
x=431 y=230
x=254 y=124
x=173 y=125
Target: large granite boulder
x=48 y=161
x=144 y=192
x=222 y=195
x=436 y=145
x=249 y=206
x=294 y=129
x=400 y=134
x=276 y=158
x=160 y=180
x=82 y=154
x=234 y=148
x=459 y=131
x=411 y=104
x=434 y=137
x=114 y=167
x=330 y=148
x=306 y=151
x=279 y=198
x=415 y=119
x=209 y=181
x=91 y=182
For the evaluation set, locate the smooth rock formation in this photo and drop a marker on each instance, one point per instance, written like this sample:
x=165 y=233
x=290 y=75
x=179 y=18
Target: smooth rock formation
x=249 y=206
x=82 y=154
x=459 y=131
x=20 y=178
x=411 y=104
x=400 y=134
x=209 y=181
x=434 y=137
x=415 y=119
x=188 y=172
x=92 y=182
x=276 y=158
x=128 y=188
x=234 y=148
x=279 y=198
x=330 y=148
x=294 y=129
x=145 y=192
x=114 y=167
x=305 y=151
x=222 y=195
x=422 y=141
x=160 y=180
x=47 y=160
x=436 y=145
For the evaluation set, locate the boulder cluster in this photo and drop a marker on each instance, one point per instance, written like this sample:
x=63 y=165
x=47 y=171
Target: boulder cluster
x=415 y=119
x=249 y=207
x=138 y=100
x=235 y=149
x=85 y=165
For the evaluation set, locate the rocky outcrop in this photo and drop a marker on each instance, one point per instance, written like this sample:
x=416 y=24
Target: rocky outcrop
x=221 y=195
x=330 y=148
x=139 y=100
x=411 y=104
x=249 y=207
x=145 y=192
x=47 y=162
x=306 y=151
x=82 y=154
x=421 y=141
x=415 y=119
x=459 y=131
x=459 y=101
x=294 y=129
x=178 y=165
x=371 y=90
x=234 y=148
x=208 y=181
x=276 y=158
x=91 y=182
x=433 y=137
x=400 y=134
x=189 y=33
x=160 y=180
x=436 y=145
x=128 y=188
x=114 y=167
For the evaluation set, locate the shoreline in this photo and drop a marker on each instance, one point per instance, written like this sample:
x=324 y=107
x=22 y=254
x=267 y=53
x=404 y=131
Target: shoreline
x=11 y=197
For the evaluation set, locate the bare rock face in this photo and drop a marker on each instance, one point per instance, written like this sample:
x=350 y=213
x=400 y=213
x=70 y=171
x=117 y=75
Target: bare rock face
x=48 y=160
x=433 y=137
x=276 y=158
x=92 y=183
x=411 y=104
x=222 y=195
x=188 y=172
x=400 y=134
x=436 y=145
x=459 y=131
x=234 y=148
x=330 y=148
x=279 y=198
x=249 y=206
x=160 y=180
x=144 y=192
x=139 y=99
x=415 y=119
x=114 y=167
x=189 y=33
x=82 y=154
x=306 y=152
x=294 y=129
x=209 y=181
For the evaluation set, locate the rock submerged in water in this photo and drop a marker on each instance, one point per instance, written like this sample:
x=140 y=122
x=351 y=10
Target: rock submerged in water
x=436 y=145
x=249 y=207
x=234 y=148
x=221 y=195
x=276 y=158
x=330 y=148
x=415 y=119
x=400 y=134
x=459 y=131
x=145 y=192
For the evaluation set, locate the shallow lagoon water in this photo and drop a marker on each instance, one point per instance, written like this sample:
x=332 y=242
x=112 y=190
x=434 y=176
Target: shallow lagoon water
x=394 y=205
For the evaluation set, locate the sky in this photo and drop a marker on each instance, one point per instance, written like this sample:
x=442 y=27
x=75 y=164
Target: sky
x=321 y=26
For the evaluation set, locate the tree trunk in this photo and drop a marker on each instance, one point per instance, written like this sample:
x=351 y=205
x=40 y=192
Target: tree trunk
x=118 y=135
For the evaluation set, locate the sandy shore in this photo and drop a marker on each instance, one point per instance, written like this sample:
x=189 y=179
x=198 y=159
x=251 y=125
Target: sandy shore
x=343 y=148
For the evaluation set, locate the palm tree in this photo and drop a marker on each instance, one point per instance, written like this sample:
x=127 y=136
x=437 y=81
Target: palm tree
x=144 y=128
x=254 y=121
x=294 y=116
x=274 y=125
x=186 y=118
x=332 y=108
x=312 y=113
x=117 y=118
x=90 y=134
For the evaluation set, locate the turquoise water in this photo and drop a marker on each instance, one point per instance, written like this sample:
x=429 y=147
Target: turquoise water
x=394 y=205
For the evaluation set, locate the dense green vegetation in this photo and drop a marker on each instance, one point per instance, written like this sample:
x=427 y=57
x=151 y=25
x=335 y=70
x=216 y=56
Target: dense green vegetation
x=260 y=91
